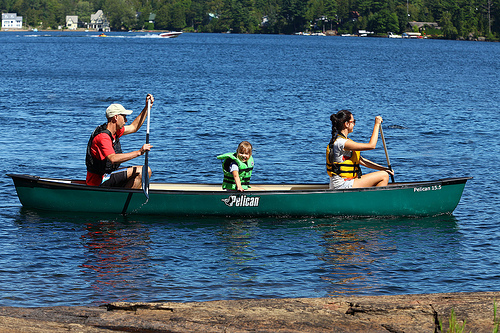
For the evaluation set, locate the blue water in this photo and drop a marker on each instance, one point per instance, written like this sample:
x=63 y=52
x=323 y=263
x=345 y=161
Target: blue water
x=440 y=102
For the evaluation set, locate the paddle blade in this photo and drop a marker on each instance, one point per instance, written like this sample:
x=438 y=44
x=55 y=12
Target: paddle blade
x=386 y=153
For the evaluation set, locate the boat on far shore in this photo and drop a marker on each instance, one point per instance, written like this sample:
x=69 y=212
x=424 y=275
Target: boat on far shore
x=171 y=34
x=393 y=35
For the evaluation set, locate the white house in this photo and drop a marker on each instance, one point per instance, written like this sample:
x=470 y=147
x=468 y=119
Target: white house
x=71 y=22
x=98 y=21
x=12 y=21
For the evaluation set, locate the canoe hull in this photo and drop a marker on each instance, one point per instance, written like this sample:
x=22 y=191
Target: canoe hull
x=404 y=199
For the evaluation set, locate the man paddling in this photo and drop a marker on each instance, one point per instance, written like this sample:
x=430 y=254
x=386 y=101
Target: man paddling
x=104 y=153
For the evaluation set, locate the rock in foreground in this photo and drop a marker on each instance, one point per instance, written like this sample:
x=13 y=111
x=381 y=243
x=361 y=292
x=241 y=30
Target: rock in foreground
x=405 y=313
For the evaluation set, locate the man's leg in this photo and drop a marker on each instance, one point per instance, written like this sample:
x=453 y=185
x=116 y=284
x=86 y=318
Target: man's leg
x=134 y=176
x=116 y=179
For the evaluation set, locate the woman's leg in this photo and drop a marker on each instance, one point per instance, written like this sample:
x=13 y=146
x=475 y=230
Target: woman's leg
x=379 y=178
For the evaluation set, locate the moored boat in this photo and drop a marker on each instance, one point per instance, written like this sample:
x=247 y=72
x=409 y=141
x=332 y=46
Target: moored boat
x=174 y=199
x=393 y=35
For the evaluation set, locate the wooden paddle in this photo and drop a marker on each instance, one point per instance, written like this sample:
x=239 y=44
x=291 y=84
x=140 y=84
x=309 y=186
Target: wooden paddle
x=145 y=168
x=386 y=154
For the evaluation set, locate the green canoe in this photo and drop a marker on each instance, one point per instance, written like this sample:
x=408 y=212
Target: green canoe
x=169 y=199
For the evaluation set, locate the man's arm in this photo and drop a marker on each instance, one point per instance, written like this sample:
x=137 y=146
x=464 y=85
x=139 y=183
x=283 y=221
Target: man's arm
x=139 y=120
x=124 y=157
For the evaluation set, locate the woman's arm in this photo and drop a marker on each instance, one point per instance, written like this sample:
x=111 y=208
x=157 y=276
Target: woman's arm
x=372 y=165
x=352 y=145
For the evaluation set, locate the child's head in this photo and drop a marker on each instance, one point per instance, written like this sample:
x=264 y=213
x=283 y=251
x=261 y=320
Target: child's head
x=244 y=151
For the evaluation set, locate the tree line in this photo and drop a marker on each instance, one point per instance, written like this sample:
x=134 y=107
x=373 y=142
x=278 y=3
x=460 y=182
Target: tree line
x=457 y=18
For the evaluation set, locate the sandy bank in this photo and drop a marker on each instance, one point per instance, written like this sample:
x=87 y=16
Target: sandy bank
x=404 y=313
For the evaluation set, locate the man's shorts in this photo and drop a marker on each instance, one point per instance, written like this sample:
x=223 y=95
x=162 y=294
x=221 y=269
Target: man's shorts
x=117 y=178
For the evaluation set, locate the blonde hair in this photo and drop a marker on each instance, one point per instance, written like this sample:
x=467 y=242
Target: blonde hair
x=244 y=146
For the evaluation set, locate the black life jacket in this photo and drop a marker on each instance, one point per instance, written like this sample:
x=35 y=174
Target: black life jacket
x=95 y=165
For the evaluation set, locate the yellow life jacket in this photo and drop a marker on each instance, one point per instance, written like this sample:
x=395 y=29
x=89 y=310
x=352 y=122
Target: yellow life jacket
x=348 y=169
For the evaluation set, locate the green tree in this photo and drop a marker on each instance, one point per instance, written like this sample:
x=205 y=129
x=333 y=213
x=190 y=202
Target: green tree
x=162 y=21
x=425 y=15
x=7 y=5
x=83 y=10
x=196 y=14
x=449 y=30
x=365 y=7
x=120 y=14
x=292 y=16
x=383 y=22
x=178 y=15
x=495 y=16
x=172 y=15
x=315 y=9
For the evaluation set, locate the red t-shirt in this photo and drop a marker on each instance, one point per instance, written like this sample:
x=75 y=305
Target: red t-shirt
x=101 y=147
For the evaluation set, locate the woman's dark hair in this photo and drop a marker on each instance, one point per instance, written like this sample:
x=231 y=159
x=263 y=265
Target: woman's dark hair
x=338 y=120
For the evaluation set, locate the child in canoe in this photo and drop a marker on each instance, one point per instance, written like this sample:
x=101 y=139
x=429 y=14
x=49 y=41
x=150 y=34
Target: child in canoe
x=237 y=168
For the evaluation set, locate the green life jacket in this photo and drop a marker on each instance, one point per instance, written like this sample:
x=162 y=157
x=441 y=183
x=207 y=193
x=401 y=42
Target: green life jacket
x=245 y=171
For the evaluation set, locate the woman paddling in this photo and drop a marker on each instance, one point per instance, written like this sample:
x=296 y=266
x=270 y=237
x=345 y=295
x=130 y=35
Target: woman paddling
x=343 y=157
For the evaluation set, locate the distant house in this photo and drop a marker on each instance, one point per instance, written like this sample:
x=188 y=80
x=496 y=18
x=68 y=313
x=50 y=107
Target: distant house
x=98 y=21
x=12 y=21
x=71 y=22
x=423 y=25
x=151 y=18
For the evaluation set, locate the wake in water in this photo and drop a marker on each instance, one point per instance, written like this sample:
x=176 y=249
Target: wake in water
x=148 y=35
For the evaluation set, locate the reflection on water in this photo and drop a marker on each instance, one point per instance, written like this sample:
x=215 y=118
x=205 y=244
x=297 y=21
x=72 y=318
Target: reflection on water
x=116 y=261
x=363 y=256
x=67 y=259
x=349 y=258
x=239 y=240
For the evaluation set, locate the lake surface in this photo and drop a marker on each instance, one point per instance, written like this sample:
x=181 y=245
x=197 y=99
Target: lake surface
x=440 y=102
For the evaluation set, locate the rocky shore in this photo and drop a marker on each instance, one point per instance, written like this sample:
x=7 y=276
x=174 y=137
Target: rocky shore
x=402 y=313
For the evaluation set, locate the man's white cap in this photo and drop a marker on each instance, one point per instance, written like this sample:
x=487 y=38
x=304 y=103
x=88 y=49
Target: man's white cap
x=116 y=109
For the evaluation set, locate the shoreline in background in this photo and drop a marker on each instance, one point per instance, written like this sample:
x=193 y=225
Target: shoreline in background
x=398 y=313
x=327 y=34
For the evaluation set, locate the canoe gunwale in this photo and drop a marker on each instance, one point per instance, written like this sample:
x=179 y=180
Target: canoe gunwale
x=38 y=181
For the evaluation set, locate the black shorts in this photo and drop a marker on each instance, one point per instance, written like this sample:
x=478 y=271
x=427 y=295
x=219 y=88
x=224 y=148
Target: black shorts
x=116 y=179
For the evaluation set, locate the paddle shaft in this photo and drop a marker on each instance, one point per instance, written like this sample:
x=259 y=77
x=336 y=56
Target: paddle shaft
x=386 y=153
x=145 y=169
x=149 y=118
